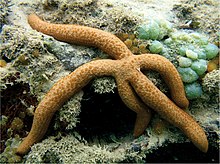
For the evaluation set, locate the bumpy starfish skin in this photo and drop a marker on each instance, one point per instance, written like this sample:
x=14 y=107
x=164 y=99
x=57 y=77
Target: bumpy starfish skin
x=135 y=89
x=107 y=42
x=158 y=101
x=82 y=35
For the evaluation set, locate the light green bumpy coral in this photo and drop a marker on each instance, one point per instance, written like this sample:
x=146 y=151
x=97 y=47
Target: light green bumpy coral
x=189 y=51
x=193 y=90
x=154 y=29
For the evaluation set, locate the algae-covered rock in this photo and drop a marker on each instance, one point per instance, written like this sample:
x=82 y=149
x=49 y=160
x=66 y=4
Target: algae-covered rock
x=8 y=76
x=70 y=149
x=104 y=85
x=104 y=15
x=4 y=12
x=27 y=54
x=71 y=56
x=199 y=14
x=9 y=156
x=68 y=114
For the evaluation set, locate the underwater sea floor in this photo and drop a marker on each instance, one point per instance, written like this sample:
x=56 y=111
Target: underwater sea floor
x=94 y=126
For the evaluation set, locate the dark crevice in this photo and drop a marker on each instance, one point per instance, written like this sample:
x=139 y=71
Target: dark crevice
x=103 y=115
x=13 y=101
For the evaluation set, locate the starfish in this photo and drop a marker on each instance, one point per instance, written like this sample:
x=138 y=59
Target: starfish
x=134 y=88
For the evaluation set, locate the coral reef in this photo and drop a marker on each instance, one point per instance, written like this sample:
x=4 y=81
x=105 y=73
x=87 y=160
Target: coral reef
x=20 y=49
x=17 y=124
x=9 y=76
x=3 y=120
x=3 y=63
x=19 y=42
x=206 y=110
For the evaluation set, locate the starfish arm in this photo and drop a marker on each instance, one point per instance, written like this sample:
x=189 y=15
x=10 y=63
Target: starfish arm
x=82 y=35
x=58 y=94
x=151 y=95
x=168 y=73
x=131 y=100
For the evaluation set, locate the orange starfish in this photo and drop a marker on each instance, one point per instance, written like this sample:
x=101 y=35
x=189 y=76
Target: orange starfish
x=135 y=89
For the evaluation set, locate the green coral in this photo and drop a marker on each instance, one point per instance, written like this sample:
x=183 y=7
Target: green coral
x=188 y=51
x=199 y=66
x=194 y=50
x=184 y=62
x=211 y=51
x=191 y=54
x=154 y=29
x=156 y=47
x=193 y=90
x=187 y=74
